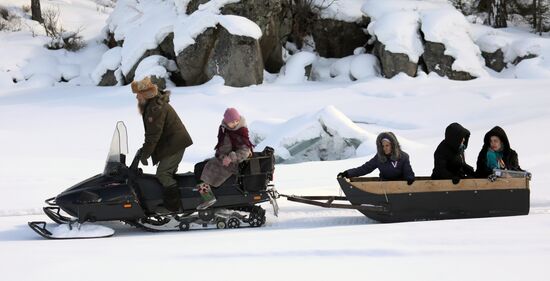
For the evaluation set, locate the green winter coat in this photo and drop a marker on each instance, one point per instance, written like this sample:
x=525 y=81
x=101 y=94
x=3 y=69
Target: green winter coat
x=165 y=134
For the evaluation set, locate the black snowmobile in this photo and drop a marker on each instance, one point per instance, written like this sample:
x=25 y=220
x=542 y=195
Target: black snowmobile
x=126 y=194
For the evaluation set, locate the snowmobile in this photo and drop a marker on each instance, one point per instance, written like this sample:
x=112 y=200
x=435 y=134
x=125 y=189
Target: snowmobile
x=505 y=193
x=126 y=194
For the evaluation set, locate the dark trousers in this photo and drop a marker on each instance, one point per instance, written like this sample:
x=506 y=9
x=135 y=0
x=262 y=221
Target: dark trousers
x=168 y=167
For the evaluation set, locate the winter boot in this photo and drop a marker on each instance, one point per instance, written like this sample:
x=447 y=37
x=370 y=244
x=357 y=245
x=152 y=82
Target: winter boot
x=208 y=198
x=171 y=198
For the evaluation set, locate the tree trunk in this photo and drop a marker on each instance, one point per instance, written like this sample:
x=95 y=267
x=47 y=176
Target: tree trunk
x=497 y=14
x=36 y=11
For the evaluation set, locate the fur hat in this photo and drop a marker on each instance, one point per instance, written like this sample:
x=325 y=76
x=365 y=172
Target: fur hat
x=145 y=87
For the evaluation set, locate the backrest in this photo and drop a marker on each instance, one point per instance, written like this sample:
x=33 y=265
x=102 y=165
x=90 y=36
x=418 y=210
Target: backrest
x=257 y=171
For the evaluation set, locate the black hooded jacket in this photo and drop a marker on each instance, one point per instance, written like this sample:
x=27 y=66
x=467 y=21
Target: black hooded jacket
x=449 y=160
x=392 y=167
x=509 y=156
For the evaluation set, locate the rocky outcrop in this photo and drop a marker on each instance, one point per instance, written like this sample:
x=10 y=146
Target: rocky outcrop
x=436 y=61
x=495 y=60
x=519 y=59
x=338 y=39
x=393 y=63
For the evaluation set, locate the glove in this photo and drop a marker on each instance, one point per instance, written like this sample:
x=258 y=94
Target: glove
x=492 y=178
x=456 y=180
x=528 y=175
x=469 y=171
x=410 y=181
x=144 y=161
x=343 y=175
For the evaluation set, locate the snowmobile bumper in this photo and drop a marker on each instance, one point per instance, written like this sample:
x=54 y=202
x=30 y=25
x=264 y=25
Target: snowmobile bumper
x=54 y=214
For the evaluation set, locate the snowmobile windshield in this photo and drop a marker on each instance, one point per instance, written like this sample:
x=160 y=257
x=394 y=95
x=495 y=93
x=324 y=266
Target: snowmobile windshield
x=119 y=146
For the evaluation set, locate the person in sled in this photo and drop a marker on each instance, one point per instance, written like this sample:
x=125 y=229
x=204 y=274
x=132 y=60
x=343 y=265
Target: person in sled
x=449 y=162
x=233 y=147
x=390 y=160
x=496 y=154
x=166 y=138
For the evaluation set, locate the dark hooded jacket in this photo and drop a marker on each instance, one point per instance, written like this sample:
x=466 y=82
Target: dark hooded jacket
x=509 y=156
x=449 y=160
x=392 y=167
x=165 y=134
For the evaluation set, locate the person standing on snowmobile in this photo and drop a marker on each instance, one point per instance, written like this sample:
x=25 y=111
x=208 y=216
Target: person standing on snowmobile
x=496 y=154
x=449 y=161
x=233 y=147
x=391 y=161
x=166 y=138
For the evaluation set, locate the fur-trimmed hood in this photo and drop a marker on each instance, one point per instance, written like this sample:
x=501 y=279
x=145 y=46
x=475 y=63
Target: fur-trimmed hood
x=395 y=147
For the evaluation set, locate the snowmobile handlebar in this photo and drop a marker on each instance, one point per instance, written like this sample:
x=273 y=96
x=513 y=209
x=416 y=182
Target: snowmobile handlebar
x=135 y=162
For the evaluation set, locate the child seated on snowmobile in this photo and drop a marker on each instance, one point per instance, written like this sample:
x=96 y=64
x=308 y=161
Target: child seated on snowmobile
x=449 y=161
x=391 y=161
x=496 y=154
x=233 y=147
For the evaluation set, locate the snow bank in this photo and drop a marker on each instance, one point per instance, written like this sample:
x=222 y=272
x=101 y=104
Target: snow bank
x=449 y=27
x=142 y=25
x=110 y=60
x=398 y=31
x=350 y=68
x=25 y=59
x=323 y=135
x=294 y=71
x=365 y=66
x=156 y=65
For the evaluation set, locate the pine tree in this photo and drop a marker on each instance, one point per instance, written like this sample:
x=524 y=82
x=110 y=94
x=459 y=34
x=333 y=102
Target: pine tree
x=497 y=14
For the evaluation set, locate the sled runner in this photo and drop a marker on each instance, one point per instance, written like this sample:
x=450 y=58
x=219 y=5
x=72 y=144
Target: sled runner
x=123 y=193
x=427 y=199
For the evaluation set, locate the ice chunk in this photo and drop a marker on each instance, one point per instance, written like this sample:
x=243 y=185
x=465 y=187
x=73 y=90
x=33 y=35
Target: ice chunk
x=323 y=135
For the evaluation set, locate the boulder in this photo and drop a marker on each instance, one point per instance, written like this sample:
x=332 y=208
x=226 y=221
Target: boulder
x=238 y=59
x=108 y=79
x=192 y=60
x=393 y=63
x=274 y=19
x=436 y=61
x=495 y=60
x=338 y=39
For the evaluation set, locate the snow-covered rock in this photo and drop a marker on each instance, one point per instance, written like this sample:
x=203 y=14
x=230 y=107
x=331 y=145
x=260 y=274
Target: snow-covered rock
x=150 y=28
x=432 y=29
x=323 y=135
x=107 y=72
x=295 y=70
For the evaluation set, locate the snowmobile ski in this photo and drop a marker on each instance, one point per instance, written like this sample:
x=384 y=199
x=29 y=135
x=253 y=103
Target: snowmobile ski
x=71 y=230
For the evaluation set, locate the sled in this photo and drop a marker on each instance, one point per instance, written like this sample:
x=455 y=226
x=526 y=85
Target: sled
x=427 y=199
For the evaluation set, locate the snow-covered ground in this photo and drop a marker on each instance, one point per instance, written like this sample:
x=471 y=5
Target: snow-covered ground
x=53 y=137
